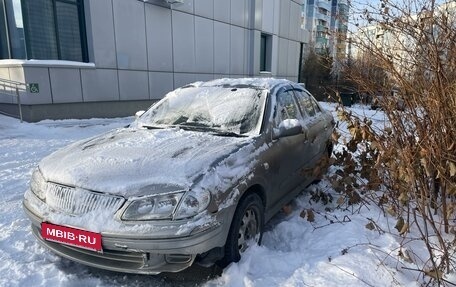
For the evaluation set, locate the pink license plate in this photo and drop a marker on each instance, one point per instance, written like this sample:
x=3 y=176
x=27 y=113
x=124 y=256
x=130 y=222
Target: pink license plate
x=71 y=236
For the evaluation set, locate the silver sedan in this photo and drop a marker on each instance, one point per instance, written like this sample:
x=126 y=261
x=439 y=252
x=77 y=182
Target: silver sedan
x=193 y=179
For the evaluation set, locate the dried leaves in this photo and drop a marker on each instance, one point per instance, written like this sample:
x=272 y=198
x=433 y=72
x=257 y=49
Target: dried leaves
x=309 y=214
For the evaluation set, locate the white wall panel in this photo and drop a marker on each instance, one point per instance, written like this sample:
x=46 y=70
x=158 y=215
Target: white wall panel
x=222 y=10
x=186 y=6
x=66 y=85
x=182 y=79
x=258 y=14
x=237 y=50
x=204 y=45
x=133 y=85
x=238 y=12
x=293 y=58
x=221 y=48
x=102 y=29
x=283 y=57
x=159 y=38
x=284 y=29
x=183 y=42
x=295 y=21
x=276 y=16
x=160 y=84
x=275 y=56
x=205 y=8
x=268 y=16
x=34 y=75
x=99 y=85
x=130 y=31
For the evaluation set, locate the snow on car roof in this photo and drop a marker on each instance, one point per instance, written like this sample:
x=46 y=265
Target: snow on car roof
x=265 y=83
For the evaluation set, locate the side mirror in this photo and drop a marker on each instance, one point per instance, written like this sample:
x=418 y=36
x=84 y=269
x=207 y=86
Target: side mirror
x=287 y=128
x=139 y=114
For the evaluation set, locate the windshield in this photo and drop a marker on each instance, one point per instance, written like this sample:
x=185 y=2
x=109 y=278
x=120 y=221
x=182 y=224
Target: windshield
x=219 y=109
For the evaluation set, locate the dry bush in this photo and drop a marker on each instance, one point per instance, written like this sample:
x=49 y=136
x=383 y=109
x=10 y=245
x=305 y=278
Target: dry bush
x=408 y=65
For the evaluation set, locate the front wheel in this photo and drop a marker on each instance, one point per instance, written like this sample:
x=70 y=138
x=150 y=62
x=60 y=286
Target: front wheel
x=246 y=228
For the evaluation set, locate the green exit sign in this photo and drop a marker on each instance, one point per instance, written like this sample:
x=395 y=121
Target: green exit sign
x=34 y=88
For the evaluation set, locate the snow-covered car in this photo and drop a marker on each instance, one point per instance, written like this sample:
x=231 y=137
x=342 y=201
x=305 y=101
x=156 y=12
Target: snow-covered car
x=192 y=179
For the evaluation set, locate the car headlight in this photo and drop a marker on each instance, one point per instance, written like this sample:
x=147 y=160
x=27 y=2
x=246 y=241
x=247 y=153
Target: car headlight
x=38 y=184
x=192 y=204
x=154 y=207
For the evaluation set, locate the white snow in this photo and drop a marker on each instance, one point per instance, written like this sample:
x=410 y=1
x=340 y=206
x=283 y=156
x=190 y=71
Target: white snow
x=336 y=249
x=124 y=161
x=289 y=123
x=265 y=83
x=47 y=63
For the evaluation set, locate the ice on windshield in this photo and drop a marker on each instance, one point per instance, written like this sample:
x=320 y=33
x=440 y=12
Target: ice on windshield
x=237 y=110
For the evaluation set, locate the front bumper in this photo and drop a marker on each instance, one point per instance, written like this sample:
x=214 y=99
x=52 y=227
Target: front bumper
x=138 y=253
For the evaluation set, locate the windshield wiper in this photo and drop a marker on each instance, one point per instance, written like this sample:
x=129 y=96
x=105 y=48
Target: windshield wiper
x=196 y=126
x=227 y=134
x=152 y=127
x=199 y=126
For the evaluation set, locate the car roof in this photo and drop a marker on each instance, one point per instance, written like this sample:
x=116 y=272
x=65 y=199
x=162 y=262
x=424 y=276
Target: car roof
x=258 y=83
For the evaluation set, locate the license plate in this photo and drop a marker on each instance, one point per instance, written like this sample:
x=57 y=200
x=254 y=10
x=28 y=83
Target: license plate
x=71 y=236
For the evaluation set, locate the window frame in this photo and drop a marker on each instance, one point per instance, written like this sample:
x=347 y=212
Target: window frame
x=81 y=22
x=308 y=97
x=14 y=42
x=6 y=40
x=265 y=53
x=278 y=116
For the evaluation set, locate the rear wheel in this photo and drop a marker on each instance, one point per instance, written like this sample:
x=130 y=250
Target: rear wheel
x=246 y=228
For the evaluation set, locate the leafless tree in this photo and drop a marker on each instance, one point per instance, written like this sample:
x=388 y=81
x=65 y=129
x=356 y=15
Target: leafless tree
x=404 y=55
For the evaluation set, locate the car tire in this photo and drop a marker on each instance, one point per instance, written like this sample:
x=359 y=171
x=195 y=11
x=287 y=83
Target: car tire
x=246 y=228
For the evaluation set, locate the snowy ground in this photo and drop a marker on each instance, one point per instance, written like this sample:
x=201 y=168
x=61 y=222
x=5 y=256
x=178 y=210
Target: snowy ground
x=336 y=249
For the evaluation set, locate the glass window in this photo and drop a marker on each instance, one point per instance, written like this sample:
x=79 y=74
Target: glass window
x=265 y=52
x=307 y=104
x=16 y=30
x=40 y=29
x=43 y=29
x=315 y=105
x=4 y=46
x=287 y=107
x=237 y=110
x=68 y=32
x=11 y=30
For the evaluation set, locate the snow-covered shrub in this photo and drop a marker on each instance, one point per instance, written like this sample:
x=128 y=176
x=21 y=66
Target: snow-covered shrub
x=407 y=66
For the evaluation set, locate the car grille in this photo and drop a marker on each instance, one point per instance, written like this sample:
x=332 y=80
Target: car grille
x=76 y=201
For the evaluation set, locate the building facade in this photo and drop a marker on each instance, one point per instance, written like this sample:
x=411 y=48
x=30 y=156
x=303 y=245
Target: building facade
x=104 y=58
x=401 y=42
x=327 y=21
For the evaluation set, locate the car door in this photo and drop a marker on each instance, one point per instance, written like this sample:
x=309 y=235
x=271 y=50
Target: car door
x=287 y=155
x=315 y=124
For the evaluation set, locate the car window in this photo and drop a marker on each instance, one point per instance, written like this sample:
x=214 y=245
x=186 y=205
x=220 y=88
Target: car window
x=314 y=103
x=287 y=108
x=306 y=103
x=223 y=109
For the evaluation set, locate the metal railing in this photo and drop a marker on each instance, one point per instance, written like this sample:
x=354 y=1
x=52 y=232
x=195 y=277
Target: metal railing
x=13 y=88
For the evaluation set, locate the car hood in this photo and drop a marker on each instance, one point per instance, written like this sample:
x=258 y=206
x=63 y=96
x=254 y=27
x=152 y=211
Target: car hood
x=136 y=161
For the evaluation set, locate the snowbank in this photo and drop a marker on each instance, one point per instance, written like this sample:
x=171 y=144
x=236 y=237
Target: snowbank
x=326 y=246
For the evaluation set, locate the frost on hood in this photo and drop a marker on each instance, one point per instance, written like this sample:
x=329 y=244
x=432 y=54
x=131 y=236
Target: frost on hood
x=228 y=173
x=126 y=161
